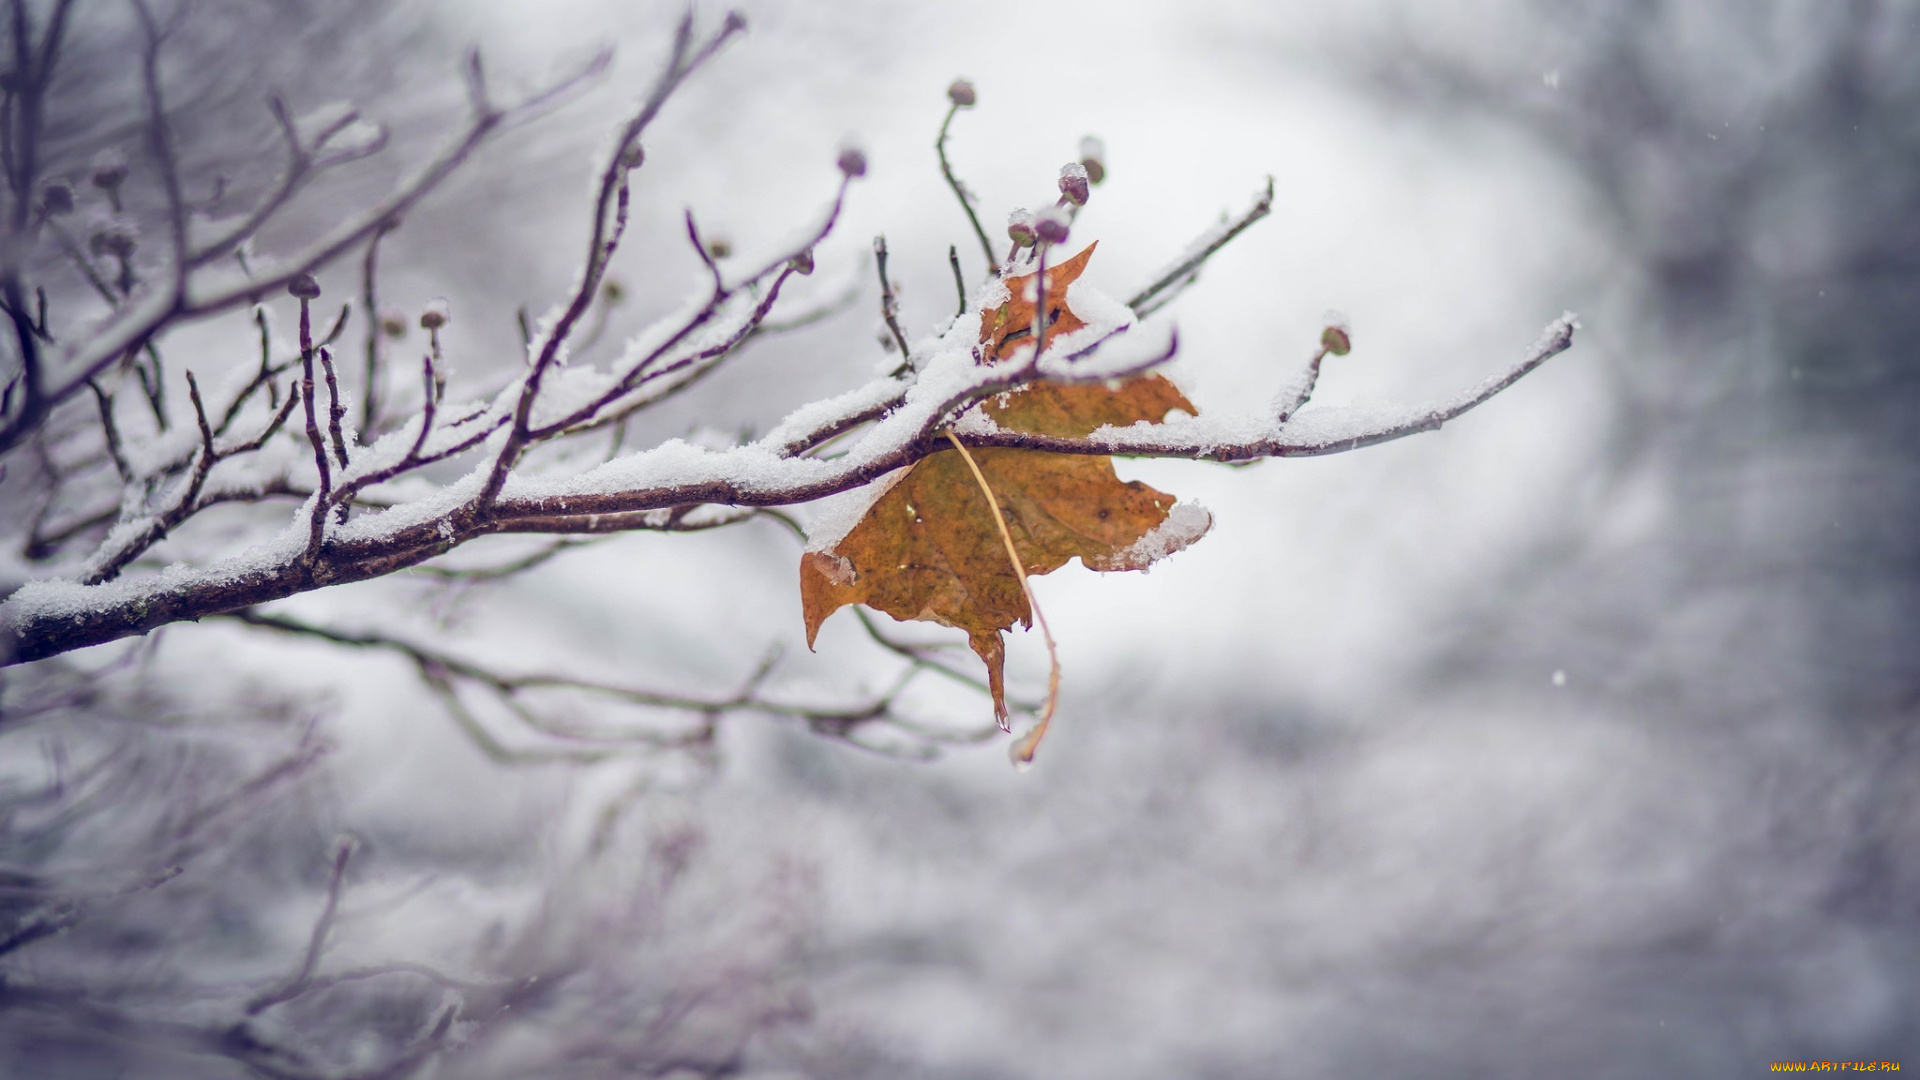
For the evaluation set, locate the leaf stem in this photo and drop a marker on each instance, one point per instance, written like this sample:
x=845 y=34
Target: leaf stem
x=1023 y=748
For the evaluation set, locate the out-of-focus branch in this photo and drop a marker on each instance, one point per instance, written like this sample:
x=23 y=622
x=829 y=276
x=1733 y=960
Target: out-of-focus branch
x=62 y=913
x=1187 y=268
x=300 y=980
x=446 y=675
x=189 y=297
x=370 y=401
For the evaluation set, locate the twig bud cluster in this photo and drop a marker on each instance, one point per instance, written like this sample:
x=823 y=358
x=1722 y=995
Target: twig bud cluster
x=961 y=94
x=853 y=163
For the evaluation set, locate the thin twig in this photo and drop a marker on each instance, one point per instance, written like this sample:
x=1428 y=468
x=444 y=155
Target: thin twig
x=316 y=526
x=890 y=307
x=700 y=249
x=370 y=303
x=112 y=432
x=297 y=983
x=1301 y=391
x=1040 y=320
x=960 y=191
x=335 y=410
x=1187 y=268
x=107 y=564
x=161 y=141
x=443 y=673
x=959 y=283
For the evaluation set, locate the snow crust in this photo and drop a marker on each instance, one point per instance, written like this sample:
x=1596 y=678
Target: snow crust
x=1186 y=523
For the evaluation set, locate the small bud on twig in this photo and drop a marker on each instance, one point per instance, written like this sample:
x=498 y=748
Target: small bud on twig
x=1073 y=183
x=304 y=287
x=109 y=172
x=802 y=263
x=1020 y=228
x=853 y=163
x=961 y=94
x=1051 y=225
x=1093 y=158
x=1336 y=340
x=113 y=239
x=436 y=315
x=56 y=198
x=393 y=324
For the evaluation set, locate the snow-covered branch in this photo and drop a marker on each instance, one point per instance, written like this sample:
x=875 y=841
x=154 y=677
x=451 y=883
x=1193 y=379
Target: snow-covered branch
x=369 y=509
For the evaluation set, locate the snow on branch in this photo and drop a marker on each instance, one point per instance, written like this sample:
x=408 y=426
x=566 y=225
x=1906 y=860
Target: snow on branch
x=364 y=506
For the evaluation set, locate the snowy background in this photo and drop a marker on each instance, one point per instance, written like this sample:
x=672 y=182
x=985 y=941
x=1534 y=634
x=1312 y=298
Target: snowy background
x=1574 y=739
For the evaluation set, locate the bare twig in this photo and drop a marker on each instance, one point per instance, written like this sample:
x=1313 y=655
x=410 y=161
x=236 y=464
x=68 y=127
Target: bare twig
x=544 y=554
x=444 y=674
x=370 y=303
x=111 y=430
x=262 y=379
x=161 y=141
x=107 y=564
x=153 y=381
x=302 y=167
x=316 y=526
x=960 y=191
x=335 y=410
x=1296 y=396
x=1183 y=272
x=61 y=913
x=890 y=307
x=609 y=406
x=298 y=982
x=699 y=247
x=959 y=283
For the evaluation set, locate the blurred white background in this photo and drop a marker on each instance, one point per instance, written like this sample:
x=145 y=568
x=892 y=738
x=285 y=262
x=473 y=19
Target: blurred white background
x=1573 y=739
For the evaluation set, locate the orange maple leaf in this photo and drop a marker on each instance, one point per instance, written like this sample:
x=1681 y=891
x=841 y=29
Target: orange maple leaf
x=1004 y=327
x=930 y=549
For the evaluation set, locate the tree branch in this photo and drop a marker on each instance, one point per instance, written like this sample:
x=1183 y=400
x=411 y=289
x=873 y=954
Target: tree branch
x=134 y=323
x=49 y=618
x=1183 y=272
